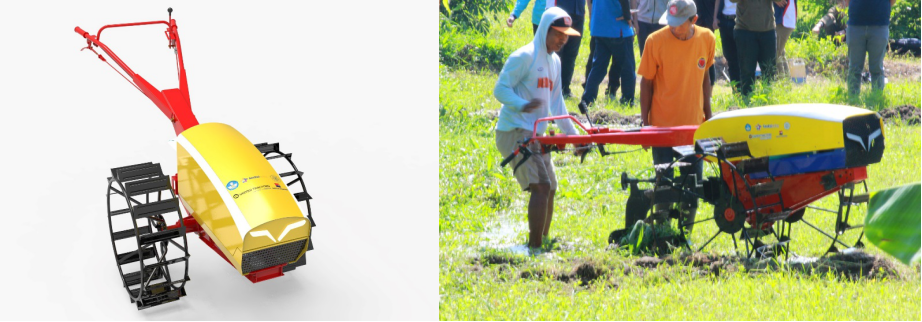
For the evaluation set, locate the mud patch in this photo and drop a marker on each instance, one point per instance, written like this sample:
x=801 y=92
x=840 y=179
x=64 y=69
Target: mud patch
x=895 y=70
x=583 y=274
x=849 y=265
x=498 y=259
x=852 y=265
x=607 y=117
x=908 y=113
x=838 y=67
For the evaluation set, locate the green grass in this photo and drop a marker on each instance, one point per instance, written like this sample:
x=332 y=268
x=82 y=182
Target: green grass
x=482 y=213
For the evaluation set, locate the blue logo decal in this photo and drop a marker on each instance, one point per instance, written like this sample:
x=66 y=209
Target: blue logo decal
x=787 y=126
x=232 y=185
x=748 y=127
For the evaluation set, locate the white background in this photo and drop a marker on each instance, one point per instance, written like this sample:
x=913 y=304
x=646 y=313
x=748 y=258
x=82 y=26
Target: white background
x=348 y=87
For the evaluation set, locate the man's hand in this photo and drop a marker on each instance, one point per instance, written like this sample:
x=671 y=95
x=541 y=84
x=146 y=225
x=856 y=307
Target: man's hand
x=816 y=29
x=510 y=21
x=715 y=26
x=782 y=3
x=532 y=105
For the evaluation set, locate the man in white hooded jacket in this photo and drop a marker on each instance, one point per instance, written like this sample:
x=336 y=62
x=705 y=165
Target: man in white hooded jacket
x=529 y=87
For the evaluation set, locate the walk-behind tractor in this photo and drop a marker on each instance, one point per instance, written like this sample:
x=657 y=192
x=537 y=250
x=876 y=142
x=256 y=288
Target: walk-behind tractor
x=771 y=162
x=236 y=200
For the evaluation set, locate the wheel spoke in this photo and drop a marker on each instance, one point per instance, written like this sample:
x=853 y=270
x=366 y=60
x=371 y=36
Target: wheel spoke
x=709 y=241
x=823 y=232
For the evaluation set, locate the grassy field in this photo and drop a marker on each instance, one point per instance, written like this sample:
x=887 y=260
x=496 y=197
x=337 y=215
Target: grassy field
x=484 y=275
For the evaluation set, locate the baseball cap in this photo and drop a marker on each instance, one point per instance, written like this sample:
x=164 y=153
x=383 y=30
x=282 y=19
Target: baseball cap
x=562 y=24
x=678 y=12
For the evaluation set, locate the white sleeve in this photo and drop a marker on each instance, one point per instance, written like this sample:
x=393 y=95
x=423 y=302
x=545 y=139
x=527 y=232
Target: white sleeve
x=557 y=106
x=510 y=76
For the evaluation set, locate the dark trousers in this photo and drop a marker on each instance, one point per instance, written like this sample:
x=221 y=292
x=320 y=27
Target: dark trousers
x=568 y=53
x=666 y=155
x=613 y=82
x=645 y=29
x=728 y=43
x=620 y=51
x=753 y=47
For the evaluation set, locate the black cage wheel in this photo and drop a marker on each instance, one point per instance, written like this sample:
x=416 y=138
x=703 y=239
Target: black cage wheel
x=152 y=260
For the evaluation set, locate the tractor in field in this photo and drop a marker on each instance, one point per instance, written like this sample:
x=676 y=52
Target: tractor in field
x=771 y=162
x=236 y=199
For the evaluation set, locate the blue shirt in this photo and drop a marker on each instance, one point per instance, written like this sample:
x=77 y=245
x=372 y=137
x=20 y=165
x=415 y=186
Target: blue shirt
x=605 y=23
x=572 y=7
x=869 y=13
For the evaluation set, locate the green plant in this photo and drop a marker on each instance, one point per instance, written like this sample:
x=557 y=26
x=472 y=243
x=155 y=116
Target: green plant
x=471 y=51
x=471 y=15
x=904 y=19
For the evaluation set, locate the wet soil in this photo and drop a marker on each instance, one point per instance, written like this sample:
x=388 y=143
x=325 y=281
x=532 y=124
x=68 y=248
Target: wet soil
x=893 y=70
x=908 y=113
x=850 y=265
x=611 y=118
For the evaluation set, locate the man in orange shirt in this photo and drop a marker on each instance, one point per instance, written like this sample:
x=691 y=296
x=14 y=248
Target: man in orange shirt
x=676 y=88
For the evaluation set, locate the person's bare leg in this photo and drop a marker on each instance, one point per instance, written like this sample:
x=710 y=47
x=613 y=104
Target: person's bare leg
x=537 y=211
x=550 y=212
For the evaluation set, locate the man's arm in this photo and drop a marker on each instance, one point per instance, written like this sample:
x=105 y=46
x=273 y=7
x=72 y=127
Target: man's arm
x=716 y=5
x=892 y=2
x=706 y=90
x=646 y=99
x=625 y=10
x=557 y=106
x=517 y=11
x=510 y=76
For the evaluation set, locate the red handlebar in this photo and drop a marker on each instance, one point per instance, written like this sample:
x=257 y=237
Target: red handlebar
x=174 y=103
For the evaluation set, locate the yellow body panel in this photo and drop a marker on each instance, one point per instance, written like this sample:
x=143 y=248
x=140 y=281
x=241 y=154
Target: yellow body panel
x=206 y=206
x=237 y=197
x=781 y=130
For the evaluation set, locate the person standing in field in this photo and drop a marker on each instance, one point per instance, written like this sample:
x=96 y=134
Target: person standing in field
x=675 y=89
x=726 y=22
x=529 y=88
x=785 y=23
x=614 y=79
x=577 y=11
x=614 y=36
x=755 y=40
x=868 y=33
x=648 y=14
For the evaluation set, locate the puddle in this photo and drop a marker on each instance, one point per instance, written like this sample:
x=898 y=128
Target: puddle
x=505 y=234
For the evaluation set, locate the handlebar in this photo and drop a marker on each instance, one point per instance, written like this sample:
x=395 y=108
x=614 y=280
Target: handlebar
x=80 y=32
x=509 y=158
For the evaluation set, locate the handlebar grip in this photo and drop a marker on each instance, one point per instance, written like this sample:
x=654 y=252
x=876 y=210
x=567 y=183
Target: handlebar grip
x=508 y=159
x=80 y=32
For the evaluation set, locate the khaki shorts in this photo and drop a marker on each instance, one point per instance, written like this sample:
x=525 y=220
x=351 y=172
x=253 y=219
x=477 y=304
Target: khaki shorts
x=537 y=169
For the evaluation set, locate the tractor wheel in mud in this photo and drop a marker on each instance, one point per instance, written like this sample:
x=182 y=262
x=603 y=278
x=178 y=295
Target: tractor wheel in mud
x=141 y=205
x=847 y=199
